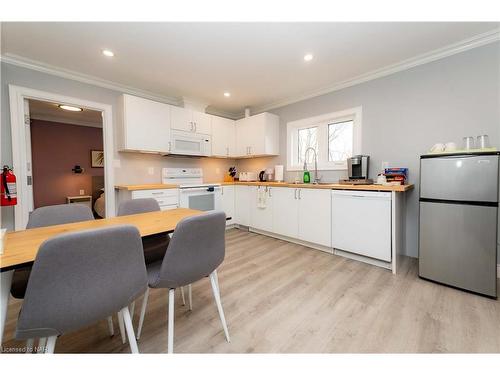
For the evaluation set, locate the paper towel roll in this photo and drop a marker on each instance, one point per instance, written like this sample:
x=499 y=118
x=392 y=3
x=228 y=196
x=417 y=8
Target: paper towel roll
x=278 y=173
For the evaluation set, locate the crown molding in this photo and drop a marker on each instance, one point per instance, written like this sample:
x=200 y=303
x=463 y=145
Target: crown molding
x=67 y=121
x=39 y=66
x=437 y=54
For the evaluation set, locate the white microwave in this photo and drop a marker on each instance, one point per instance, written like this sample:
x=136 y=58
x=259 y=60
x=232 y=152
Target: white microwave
x=192 y=144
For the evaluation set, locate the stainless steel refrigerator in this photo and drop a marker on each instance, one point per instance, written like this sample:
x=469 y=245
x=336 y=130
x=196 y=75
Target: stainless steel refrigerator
x=458 y=220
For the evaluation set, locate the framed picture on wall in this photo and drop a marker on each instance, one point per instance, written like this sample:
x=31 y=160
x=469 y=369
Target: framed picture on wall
x=97 y=159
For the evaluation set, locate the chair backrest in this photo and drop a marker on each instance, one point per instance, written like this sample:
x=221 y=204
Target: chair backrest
x=196 y=249
x=81 y=277
x=138 y=206
x=59 y=214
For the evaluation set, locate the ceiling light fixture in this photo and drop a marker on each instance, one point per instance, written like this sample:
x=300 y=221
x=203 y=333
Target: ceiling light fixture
x=70 y=108
x=107 y=53
x=227 y=94
x=308 y=57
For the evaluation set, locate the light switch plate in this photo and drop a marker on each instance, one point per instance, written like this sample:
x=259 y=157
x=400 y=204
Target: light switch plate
x=151 y=170
x=82 y=192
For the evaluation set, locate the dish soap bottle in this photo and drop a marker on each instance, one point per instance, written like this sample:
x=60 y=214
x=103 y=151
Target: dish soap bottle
x=307 y=175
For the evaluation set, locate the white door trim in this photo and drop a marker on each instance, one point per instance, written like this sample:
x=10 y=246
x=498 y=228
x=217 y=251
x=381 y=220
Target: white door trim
x=17 y=95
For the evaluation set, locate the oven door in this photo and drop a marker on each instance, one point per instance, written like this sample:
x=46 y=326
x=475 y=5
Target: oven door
x=201 y=198
x=190 y=144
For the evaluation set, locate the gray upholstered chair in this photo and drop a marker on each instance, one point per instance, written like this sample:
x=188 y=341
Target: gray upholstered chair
x=81 y=277
x=195 y=251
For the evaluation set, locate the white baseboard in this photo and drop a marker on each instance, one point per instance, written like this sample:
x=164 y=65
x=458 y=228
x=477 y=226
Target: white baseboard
x=293 y=240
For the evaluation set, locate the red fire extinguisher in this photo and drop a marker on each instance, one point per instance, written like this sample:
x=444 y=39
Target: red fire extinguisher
x=9 y=190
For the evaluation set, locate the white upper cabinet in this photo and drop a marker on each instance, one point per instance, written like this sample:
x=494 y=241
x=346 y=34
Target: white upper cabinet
x=187 y=120
x=145 y=125
x=257 y=135
x=223 y=137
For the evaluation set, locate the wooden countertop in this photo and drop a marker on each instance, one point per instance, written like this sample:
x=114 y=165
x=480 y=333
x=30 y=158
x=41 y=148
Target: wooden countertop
x=22 y=246
x=333 y=186
x=146 y=187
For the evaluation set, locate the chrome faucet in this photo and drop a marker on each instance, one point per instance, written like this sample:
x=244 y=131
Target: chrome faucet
x=316 y=177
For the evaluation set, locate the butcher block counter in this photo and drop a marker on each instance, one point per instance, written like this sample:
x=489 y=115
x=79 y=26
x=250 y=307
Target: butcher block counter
x=146 y=187
x=333 y=186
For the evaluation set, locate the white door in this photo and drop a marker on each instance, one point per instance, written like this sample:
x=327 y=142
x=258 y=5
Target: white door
x=29 y=163
x=243 y=135
x=285 y=211
x=361 y=223
x=242 y=204
x=202 y=122
x=223 y=137
x=228 y=198
x=147 y=124
x=261 y=208
x=181 y=119
x=315 y=221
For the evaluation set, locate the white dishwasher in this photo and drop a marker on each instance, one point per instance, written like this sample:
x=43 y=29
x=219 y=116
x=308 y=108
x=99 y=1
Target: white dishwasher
x=361 y=223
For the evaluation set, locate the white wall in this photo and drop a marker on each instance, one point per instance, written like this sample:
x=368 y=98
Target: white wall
x=406 y=113
x=134 y=167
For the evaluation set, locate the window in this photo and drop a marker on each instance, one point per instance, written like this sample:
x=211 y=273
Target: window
x=334 y=136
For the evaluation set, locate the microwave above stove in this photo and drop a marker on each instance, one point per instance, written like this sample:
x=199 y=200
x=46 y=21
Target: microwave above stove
x=190 y=144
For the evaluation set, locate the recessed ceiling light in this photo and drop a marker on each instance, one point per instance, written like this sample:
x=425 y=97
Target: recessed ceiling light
x=308 y=57
x=108 y=53
x=70 y=108
x=227 y=94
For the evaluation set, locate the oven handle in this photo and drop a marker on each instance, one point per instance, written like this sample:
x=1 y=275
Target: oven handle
x=206 y=188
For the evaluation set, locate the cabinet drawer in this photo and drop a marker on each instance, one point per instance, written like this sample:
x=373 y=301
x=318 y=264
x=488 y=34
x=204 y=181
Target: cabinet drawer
x=156 y=193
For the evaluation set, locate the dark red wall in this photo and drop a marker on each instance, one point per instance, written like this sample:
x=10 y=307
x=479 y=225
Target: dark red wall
x=56 y=148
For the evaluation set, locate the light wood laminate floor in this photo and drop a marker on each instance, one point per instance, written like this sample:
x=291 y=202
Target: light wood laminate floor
x=285 y=298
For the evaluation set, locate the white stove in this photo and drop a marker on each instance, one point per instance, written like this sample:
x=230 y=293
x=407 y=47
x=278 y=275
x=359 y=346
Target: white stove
x=193 y=192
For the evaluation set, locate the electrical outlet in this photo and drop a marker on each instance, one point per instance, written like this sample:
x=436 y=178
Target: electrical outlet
x=82 y=192
x=151 y=170
x=217 y=170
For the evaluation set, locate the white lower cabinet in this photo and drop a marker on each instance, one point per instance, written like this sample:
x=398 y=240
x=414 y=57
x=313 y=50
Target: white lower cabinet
x=167 y=199
x=228 y=198
x=261 y=208
x=315 y=221
x=242 y=202
x=286 y=212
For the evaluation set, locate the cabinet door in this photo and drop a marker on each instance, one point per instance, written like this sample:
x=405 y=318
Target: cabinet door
x=243 y=135
x=242 y=204
x=223 y=137
x=261 y=208
x=228 y=199
x=315 y=220
x=256 y=138
x=181 y=119
x=146 y=125
x=202 y=122
x=285 y=211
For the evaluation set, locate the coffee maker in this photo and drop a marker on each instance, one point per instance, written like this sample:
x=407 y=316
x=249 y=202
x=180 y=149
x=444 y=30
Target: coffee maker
x=357 y=169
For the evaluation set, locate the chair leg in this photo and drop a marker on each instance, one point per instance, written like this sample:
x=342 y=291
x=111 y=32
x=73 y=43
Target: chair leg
x=110 y=326
x=132 y=309
x=130 y=330
x=29 y=346
x=215 y=289
x=41 y=345
x=171 y=299
x=143 y=313
x=122 y=327
x=51 y=344
x=190 y=297
x=182 y=295
x=217 y=279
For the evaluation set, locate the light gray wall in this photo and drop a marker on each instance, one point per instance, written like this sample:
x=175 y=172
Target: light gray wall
x=134 y=167
x=406 y=113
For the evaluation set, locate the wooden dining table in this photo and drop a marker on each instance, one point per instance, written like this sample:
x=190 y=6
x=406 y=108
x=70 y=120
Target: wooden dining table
x=21 y=247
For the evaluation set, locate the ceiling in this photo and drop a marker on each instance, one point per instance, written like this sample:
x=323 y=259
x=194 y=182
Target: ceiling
x=258 y=63
x=51 y=112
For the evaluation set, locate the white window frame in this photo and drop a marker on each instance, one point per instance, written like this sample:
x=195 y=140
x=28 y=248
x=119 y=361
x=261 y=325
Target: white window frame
x=322 y=122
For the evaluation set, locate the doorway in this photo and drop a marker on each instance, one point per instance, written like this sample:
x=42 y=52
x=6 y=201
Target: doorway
x=20 y=100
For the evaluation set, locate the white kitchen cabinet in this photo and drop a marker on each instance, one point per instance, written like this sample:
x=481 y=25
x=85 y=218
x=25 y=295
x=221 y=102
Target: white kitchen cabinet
x=261 y=208
x=228 y=199
x=361 y=223
x=315 y=222
x=257 y=135
x=145 y=125
x=167 y=199
x=242 y=201
x=223 y=137
x=188 y=120
x=285 y=211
